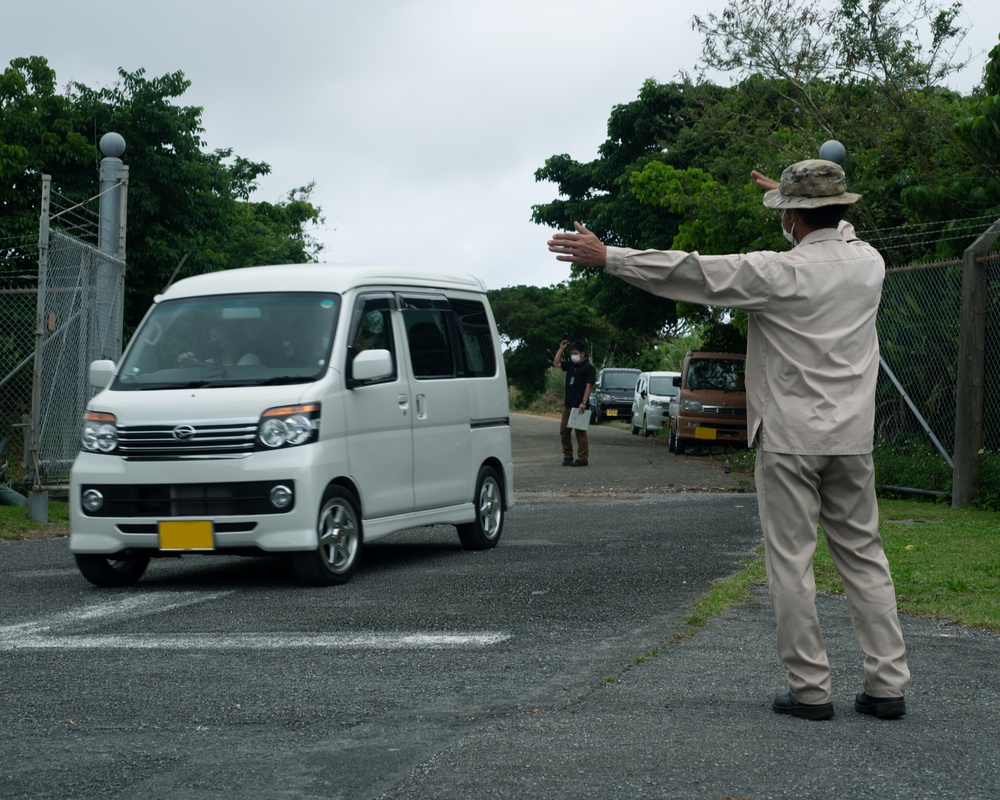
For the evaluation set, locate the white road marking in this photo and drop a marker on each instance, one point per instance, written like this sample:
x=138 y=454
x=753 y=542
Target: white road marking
x=252 y=641
x=49 y=633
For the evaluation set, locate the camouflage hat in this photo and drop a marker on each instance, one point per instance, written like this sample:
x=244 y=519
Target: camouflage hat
x=811 y=184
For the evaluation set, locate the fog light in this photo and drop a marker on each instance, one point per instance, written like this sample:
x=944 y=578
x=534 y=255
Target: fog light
x=93 y=501
x=281 y=496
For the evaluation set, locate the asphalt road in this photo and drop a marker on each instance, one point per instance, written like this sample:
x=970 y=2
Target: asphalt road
x=542 y=668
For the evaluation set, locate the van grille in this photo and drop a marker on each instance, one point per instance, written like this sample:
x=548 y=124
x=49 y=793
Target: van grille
x=164 y=500
x=183 y=440
x=724 y=410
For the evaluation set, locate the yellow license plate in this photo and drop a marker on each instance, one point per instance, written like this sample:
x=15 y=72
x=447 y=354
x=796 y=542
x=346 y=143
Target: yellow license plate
x=704 y=433
x=612 y=412
x=187 y=535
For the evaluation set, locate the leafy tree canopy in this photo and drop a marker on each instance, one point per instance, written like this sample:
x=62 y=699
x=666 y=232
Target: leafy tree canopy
x=981 y=130
x=674 y=171
x=182 y=200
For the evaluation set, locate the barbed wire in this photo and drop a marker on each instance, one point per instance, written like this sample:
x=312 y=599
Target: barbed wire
x=943 y=223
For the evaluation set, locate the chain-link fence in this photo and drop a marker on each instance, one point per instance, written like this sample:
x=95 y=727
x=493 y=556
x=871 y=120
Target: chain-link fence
x=53 y=323
x=18 y=299
x=80 y=293
x=919 y=332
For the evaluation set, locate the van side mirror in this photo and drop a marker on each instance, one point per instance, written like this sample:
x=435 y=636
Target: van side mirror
x=642 y=393
x=100 y=373
x=676 y=380
x=371 y=365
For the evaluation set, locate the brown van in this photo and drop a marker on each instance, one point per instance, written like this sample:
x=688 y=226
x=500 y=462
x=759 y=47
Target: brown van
x=711 y=403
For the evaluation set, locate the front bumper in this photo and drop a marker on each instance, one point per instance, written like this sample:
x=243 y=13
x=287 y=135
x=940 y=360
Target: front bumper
x=231 y=495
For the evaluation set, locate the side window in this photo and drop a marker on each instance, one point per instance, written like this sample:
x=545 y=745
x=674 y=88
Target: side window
x=427 y=336
x=479 y=359
x=371 y=329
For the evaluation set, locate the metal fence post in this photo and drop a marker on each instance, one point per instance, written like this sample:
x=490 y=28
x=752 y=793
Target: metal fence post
x=110 y=239
x=38 y=499
x=970 y=388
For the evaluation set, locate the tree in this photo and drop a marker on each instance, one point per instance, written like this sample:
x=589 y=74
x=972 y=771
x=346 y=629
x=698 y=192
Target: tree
x=533 y=320
x=981 y=130
x=869 y=73
x=181 y=201
x=673 y=172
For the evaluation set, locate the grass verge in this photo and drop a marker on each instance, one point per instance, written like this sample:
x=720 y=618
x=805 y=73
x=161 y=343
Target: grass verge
x=14 y=523
x=945 y=563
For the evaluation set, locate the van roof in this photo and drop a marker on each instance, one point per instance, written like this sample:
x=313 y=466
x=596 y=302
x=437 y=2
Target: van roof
x=315 y=278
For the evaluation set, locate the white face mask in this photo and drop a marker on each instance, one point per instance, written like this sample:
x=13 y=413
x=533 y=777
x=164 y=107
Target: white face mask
x=789 y=235
x=575 y=359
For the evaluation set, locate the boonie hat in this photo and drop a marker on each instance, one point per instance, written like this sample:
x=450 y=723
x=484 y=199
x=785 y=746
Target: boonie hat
x=811 y=184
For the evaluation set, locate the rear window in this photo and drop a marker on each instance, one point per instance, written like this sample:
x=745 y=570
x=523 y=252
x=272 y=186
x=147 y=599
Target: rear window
x=618 y=380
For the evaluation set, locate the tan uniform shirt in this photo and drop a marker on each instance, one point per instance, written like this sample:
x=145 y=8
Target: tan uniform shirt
x=812 y=349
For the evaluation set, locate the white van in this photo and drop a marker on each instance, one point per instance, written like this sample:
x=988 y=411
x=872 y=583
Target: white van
x=300 y=409
x=651 y=403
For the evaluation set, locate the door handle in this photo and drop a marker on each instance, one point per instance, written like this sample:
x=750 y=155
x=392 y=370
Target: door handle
x=404 y=403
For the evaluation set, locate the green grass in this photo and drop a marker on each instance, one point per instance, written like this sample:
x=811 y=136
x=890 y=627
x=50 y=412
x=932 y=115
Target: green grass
x=14 y=522
x=945 y=561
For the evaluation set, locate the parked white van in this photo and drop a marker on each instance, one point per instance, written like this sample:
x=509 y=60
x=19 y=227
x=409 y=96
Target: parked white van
x=651 y=404
x=300 y=409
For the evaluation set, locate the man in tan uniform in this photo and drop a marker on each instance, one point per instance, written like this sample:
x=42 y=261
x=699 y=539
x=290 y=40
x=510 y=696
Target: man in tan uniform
x=812 y=364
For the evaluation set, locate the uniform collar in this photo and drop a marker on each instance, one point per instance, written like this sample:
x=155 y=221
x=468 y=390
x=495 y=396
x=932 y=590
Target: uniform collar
x=822 y=235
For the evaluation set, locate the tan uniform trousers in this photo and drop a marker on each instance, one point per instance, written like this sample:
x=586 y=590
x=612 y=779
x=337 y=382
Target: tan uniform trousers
x=582 y=442
x=794 y=493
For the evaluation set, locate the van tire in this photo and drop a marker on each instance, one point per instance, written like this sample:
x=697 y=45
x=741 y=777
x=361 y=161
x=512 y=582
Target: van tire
x=338 y=538
x=680 y=446
x=635 y=428
x=671 y=439
x=645 y=427
x=112 y=571
x=484 y=532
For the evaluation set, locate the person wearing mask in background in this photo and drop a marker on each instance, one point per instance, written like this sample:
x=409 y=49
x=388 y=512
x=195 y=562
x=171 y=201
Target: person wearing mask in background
x=580 y=379
x=812 y=366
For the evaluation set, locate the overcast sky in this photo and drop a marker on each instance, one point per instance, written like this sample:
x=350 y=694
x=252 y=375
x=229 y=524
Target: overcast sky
x=422 y=122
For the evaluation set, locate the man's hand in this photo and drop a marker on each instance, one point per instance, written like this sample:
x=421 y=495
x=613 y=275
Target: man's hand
x=582 y=247
x=763 y=181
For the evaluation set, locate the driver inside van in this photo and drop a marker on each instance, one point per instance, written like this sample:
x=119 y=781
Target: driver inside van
x=227 y=345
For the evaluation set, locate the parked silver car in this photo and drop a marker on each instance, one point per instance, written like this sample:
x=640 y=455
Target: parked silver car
x=651 y=403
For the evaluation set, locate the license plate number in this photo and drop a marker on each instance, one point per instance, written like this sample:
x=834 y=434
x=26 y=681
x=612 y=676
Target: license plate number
x=187 y=535
x=704 y=433
x=612 y=412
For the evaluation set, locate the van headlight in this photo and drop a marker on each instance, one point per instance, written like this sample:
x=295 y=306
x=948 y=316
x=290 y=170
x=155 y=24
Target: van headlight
x=691 y=405
x=288 y=426
x=100 y=432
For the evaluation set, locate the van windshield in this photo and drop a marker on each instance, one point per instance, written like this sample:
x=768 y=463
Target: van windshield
x=720 y=374
x=231 y=340
x=662 y=385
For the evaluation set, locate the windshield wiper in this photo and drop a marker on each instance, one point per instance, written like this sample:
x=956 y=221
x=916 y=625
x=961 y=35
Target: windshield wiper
x=279 y=380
